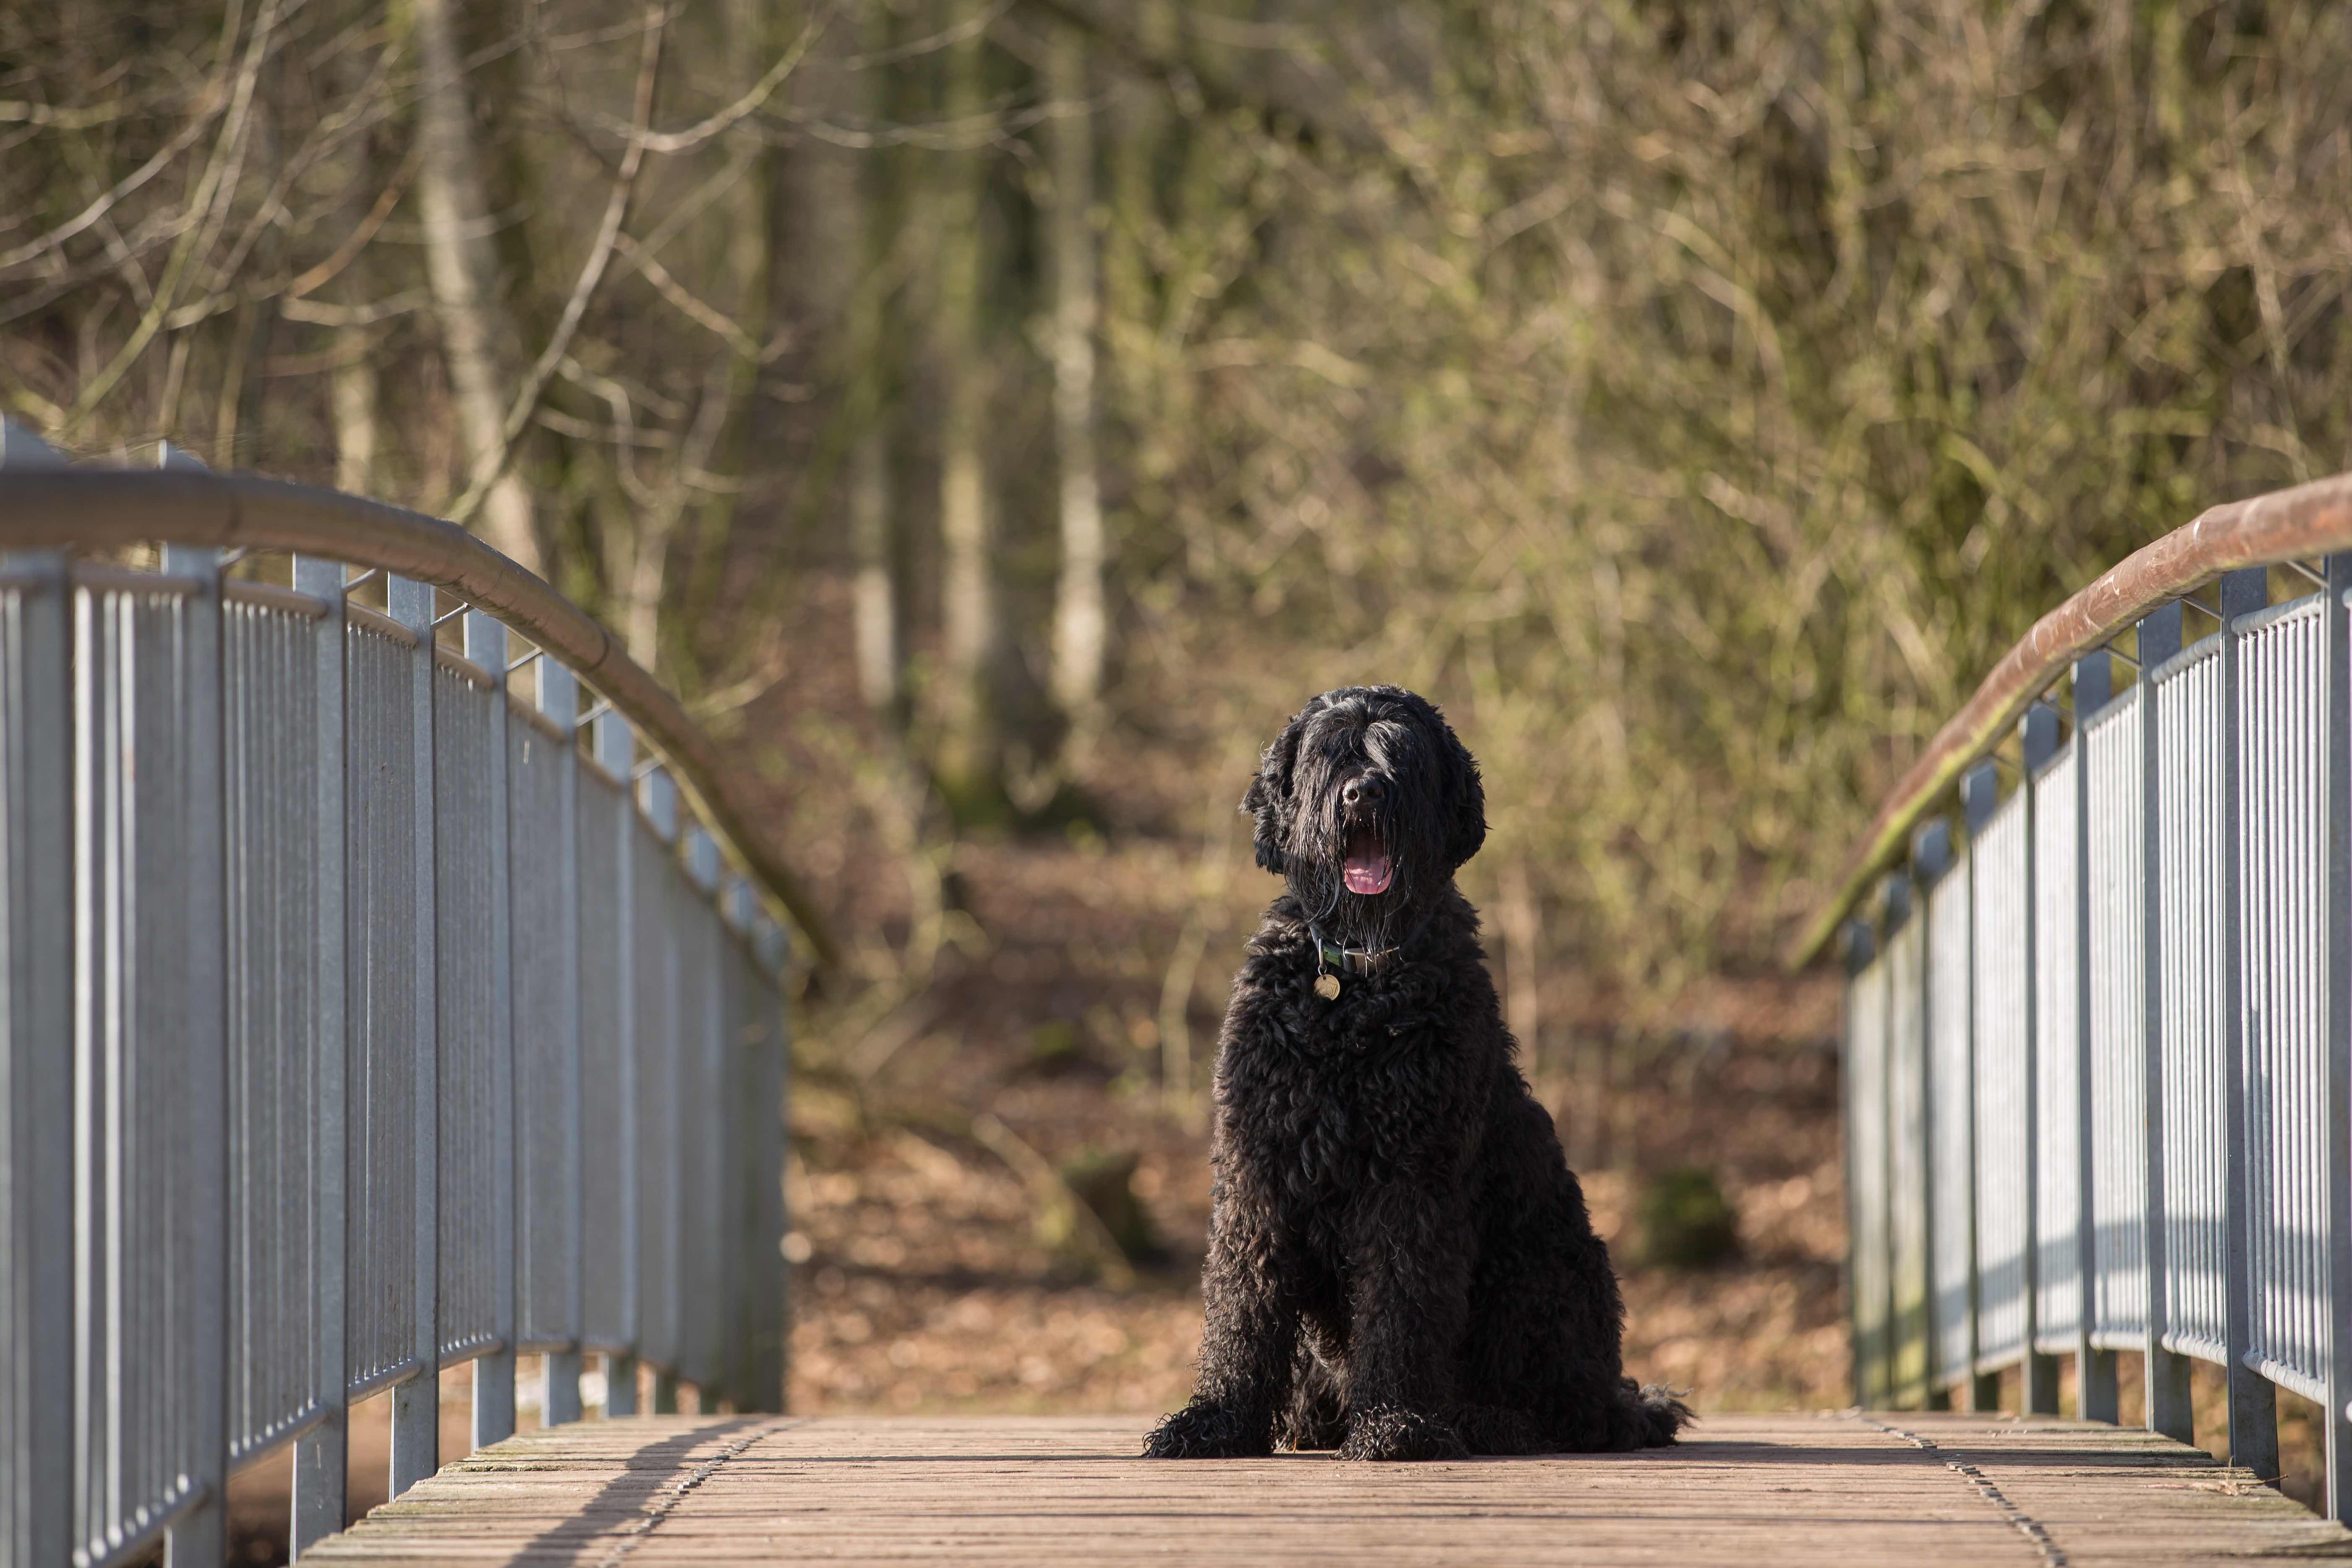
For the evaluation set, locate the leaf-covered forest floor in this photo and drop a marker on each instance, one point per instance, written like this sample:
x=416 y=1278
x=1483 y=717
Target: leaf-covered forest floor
x=1084 y=968
x=929 y=1274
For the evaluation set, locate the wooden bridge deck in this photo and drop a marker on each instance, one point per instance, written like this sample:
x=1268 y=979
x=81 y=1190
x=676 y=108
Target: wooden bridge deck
x=1750 y=1491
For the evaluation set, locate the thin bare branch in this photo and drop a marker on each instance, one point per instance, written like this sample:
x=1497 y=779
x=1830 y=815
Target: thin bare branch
x=687 y=304
x=366 y=231
x=208 y=108
x=702 y=131
x=210 y=199
x=600 y=255
x=320 y=313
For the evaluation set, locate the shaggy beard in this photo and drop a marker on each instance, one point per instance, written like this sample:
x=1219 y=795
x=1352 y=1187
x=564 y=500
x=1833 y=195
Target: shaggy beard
x=1350 y=919
x=1407 y=829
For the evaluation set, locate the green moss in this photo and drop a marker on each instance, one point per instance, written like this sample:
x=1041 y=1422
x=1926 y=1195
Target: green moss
x=1686 y=1222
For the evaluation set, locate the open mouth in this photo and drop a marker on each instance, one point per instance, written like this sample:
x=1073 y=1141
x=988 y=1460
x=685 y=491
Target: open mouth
x=1367 y=870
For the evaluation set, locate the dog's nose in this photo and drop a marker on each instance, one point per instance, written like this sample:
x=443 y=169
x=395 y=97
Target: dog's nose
x=1361 y=791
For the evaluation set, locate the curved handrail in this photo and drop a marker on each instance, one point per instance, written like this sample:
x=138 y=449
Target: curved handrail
x=2311 y=520
x=57 y=509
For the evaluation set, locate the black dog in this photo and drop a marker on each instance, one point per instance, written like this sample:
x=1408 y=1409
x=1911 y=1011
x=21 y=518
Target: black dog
x=1400 y=1260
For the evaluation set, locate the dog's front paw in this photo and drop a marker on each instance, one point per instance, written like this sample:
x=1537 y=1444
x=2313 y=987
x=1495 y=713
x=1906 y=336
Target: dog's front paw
x=1205 y=1431
x=1385 y=1432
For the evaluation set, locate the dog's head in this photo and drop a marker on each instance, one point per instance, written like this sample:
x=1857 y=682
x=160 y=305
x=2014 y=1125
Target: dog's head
x=1367 y=803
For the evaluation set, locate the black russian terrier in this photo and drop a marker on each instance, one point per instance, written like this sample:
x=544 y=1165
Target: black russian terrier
x=1400 y=1262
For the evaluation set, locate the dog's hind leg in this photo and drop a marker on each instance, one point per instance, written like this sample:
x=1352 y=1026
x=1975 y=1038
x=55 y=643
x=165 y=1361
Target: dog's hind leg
x=1654 y=1414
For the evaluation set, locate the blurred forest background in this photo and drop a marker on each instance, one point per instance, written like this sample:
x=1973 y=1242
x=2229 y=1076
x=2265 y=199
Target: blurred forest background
x=996 y=415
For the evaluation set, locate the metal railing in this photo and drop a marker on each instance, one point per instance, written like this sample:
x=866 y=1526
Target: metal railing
x=358 y=1017
x=2099 y=1038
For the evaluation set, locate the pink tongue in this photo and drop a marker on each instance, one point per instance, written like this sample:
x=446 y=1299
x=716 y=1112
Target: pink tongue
x=1366 y=871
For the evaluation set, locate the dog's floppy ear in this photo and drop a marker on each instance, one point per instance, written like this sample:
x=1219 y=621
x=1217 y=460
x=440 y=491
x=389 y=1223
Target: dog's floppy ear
x=1268 y=797
x=1457 y=772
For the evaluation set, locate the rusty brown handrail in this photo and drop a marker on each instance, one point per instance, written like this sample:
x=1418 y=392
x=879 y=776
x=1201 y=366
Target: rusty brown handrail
x=2308 y=520
x=62 y=508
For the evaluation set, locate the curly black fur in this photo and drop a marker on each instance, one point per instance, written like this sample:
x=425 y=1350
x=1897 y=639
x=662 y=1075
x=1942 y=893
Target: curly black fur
x=1399 y=1264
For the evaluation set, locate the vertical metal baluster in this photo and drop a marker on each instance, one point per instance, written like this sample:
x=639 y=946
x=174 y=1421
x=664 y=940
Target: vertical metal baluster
x=2337 y=1038
x=2253 y=1399
x=1980 y=795
x=660 y=795
x=616 y=753
x=2097 y=1397
x=2038 y=741
x=2166 y=1371
x=559 y=699
x=494 y=1372
x=201 y=1536
x=415 y=1403
x=320 y=1454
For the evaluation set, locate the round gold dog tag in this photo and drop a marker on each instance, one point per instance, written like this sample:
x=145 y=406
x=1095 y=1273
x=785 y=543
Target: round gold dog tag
x=1328 y=986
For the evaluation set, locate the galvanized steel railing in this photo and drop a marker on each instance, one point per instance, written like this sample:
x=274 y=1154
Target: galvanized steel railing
x=357 y=1021
x=2099 y=1040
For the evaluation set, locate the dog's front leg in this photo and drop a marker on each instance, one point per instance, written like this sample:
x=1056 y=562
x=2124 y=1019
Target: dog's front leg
x=1247 y=1344
x=1409 y=1297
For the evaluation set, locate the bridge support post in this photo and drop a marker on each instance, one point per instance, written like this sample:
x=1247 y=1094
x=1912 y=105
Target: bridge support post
x=2339 y=1038
x=494 y=1372
x=1861 y=1332
x=661 y=1148
x=620 y=1384
x=2037 y=739
x=1909 y=1351
x=2167 y=1371
x=416 y=1403
x=2253 y=1398
x=615 y=751
x=755 y=1379
x=557 y=700
x=1931 y=864
x=2096 y=1397
x=2038 y=742
x=1979 y=798
x=200 y=1536
x=321 y=1455
x=36 y=1014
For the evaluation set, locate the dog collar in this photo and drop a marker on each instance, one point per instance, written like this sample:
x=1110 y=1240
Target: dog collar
x=1354 y=960
x=1350 y=960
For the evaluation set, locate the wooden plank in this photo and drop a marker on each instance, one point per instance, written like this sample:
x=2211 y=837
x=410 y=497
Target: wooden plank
x=1747 y=1491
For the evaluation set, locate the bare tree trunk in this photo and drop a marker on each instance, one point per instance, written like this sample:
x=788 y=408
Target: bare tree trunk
x=1079 y=627
x=354 y=400
x=461 y=265
x=879 y=640
x=869 y=202
x=749 y=32
x=971 y=761
x=352 y=385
